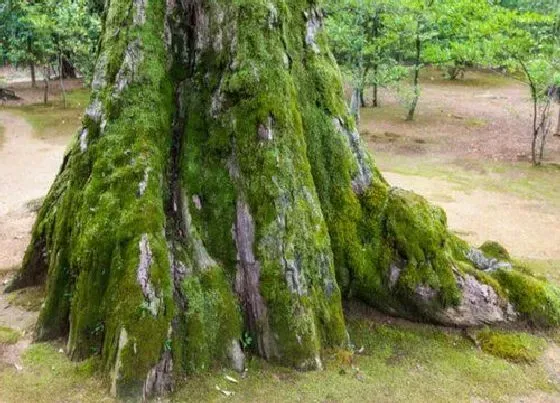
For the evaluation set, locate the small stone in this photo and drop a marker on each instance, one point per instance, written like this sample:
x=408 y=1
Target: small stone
x=236 y=357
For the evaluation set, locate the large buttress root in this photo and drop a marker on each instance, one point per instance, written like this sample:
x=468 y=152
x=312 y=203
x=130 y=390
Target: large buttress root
x=218 y=188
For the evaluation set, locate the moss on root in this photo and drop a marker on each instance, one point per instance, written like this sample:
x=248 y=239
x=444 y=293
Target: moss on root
x=537 y=300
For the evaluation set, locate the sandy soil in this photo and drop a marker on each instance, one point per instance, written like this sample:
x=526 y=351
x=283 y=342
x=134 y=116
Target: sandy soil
x=27 y=169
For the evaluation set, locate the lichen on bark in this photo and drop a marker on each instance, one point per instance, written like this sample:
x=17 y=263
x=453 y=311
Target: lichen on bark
x=219 y=190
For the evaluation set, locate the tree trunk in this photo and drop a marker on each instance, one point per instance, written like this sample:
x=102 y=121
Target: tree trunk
x=46 y=79
x=415 y=83
x=218 y=187
x=61 y=79
x=362 y=99
x=355 y=103
x=375 y=89
x=68 y=70
x=557 y=133
x=33 y=80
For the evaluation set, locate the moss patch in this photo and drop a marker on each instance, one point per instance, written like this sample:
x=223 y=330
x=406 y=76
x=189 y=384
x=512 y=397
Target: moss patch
x=48 y=376
x=515 y=347
x=537 y=300
x=8 y=335
x=495 y=250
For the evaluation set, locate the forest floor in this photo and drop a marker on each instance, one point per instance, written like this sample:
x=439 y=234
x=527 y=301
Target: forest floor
x=467 y=152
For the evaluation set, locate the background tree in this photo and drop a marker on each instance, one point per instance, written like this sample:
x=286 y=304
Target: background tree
x=529 y=45
x=48 y=33
x=364 y=36
x=219 y=187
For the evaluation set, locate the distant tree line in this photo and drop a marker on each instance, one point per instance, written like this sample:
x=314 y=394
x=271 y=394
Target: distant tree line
x=386 y=43
x=51 y=35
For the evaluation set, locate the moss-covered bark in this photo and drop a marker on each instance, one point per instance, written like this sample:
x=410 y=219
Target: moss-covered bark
x=218 y=191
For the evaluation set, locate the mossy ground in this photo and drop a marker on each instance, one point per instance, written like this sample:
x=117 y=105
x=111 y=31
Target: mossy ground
x=8 y=335
x=47 y=375
x=400 y=362
x=514 y=347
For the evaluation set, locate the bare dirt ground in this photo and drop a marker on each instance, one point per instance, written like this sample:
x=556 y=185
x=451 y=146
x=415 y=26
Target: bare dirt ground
x=27 y=168
x=483 y=116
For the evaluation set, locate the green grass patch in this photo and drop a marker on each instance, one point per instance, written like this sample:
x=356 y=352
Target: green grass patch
x=8 y=335
x=547 y=268
x=521 y=179
x=398 y=364
x=52 y=120
x=514 y=347
x=48 y=375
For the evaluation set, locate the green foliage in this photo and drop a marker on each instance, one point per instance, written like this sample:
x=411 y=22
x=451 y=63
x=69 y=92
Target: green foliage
x=380 y=42
x=515 y=347
x=42 y=32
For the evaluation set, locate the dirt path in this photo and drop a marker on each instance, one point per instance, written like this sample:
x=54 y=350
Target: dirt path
x=529 y=229
x=27 y=168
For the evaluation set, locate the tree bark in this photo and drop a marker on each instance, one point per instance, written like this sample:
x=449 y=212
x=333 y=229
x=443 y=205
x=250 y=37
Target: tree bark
x=61 y=79
x=46 y=79
x=68 y=70
x=557 y=133
x=218 y=188
x=415 y=82
x=33 y=79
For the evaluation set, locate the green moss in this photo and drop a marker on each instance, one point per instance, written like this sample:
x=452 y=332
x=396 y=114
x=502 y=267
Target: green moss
x=495 y=250
x=212 y=320
x=537 y=300
x=8 y=335
x=515 y=347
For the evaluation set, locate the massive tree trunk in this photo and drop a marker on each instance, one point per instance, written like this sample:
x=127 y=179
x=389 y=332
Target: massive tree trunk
x=219 y=188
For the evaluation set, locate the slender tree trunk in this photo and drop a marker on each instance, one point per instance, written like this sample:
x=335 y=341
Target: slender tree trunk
x=375 y=89
x=375 y=27
x=46 y=79
x=415 y=82
x=218 y=187
x=68 y=70
x=33 y=79
x=557 y=133
x=355 y=104
x=61 y=80
x=362 y=99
